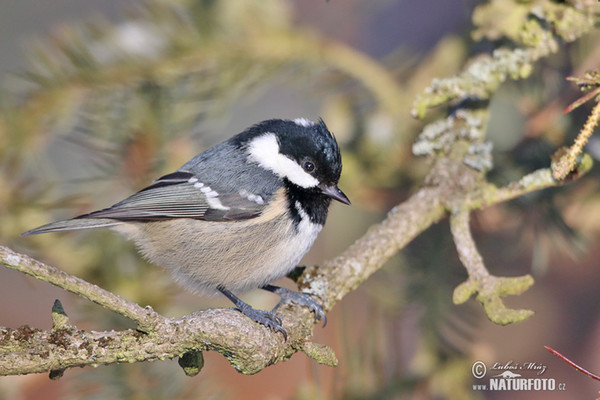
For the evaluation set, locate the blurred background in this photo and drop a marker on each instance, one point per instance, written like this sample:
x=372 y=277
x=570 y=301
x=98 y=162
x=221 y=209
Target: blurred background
x=100 y=97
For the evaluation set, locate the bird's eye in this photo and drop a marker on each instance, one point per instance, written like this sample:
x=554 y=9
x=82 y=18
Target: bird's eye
x=308 y=166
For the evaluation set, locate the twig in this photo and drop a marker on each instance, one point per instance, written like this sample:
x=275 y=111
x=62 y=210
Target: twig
x=465 y=245
x=572 y=364
x=568 y=161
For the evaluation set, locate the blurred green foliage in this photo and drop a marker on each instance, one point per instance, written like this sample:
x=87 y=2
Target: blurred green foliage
x=110 y=106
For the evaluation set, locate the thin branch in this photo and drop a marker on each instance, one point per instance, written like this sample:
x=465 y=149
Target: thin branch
x=532 y=182
x=465 y=245
x=369 y=253
x=568 y=161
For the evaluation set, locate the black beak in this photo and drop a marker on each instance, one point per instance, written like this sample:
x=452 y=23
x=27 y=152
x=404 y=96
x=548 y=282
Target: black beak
x=335 y=193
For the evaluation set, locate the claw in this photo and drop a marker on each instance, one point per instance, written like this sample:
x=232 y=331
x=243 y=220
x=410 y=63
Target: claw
x=266 y=318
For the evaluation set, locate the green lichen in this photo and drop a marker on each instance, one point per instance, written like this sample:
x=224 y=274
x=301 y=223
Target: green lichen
x=490 y=290
x=531 y=23
x=464 y=291
x=479 y=81
x=321 y=353
x=586 y=162
x=568 y=22
x=497 y=19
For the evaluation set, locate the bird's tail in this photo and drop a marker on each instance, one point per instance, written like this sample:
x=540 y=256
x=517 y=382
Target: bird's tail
x=72 y=224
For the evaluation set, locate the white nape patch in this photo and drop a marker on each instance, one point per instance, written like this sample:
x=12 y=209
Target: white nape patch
x=304 y=122
x=264 y=150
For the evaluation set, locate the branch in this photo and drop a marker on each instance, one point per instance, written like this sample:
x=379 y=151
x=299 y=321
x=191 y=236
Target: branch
x=462 y=160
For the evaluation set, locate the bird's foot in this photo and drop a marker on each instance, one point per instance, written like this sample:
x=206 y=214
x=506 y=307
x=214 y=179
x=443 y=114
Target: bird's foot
x=266 y=318
x=302 y=299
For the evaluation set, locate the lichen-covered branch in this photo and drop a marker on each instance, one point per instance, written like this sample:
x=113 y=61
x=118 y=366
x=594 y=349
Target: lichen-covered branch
x=534 y=181
x=461 y=172
x=536 y=27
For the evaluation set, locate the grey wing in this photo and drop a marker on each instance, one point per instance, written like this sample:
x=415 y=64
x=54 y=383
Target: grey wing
x=182 y=195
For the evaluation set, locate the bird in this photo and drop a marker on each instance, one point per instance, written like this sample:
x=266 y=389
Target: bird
x=237 y=216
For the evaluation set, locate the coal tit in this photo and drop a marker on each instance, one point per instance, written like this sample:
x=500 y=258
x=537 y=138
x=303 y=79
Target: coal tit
x=237 y=216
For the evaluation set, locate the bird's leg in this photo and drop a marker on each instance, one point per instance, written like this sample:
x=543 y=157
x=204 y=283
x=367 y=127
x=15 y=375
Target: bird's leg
x=266 y=318
x=303 y=299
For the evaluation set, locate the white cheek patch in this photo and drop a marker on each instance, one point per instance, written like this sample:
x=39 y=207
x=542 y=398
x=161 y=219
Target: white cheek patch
x=264 y=150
